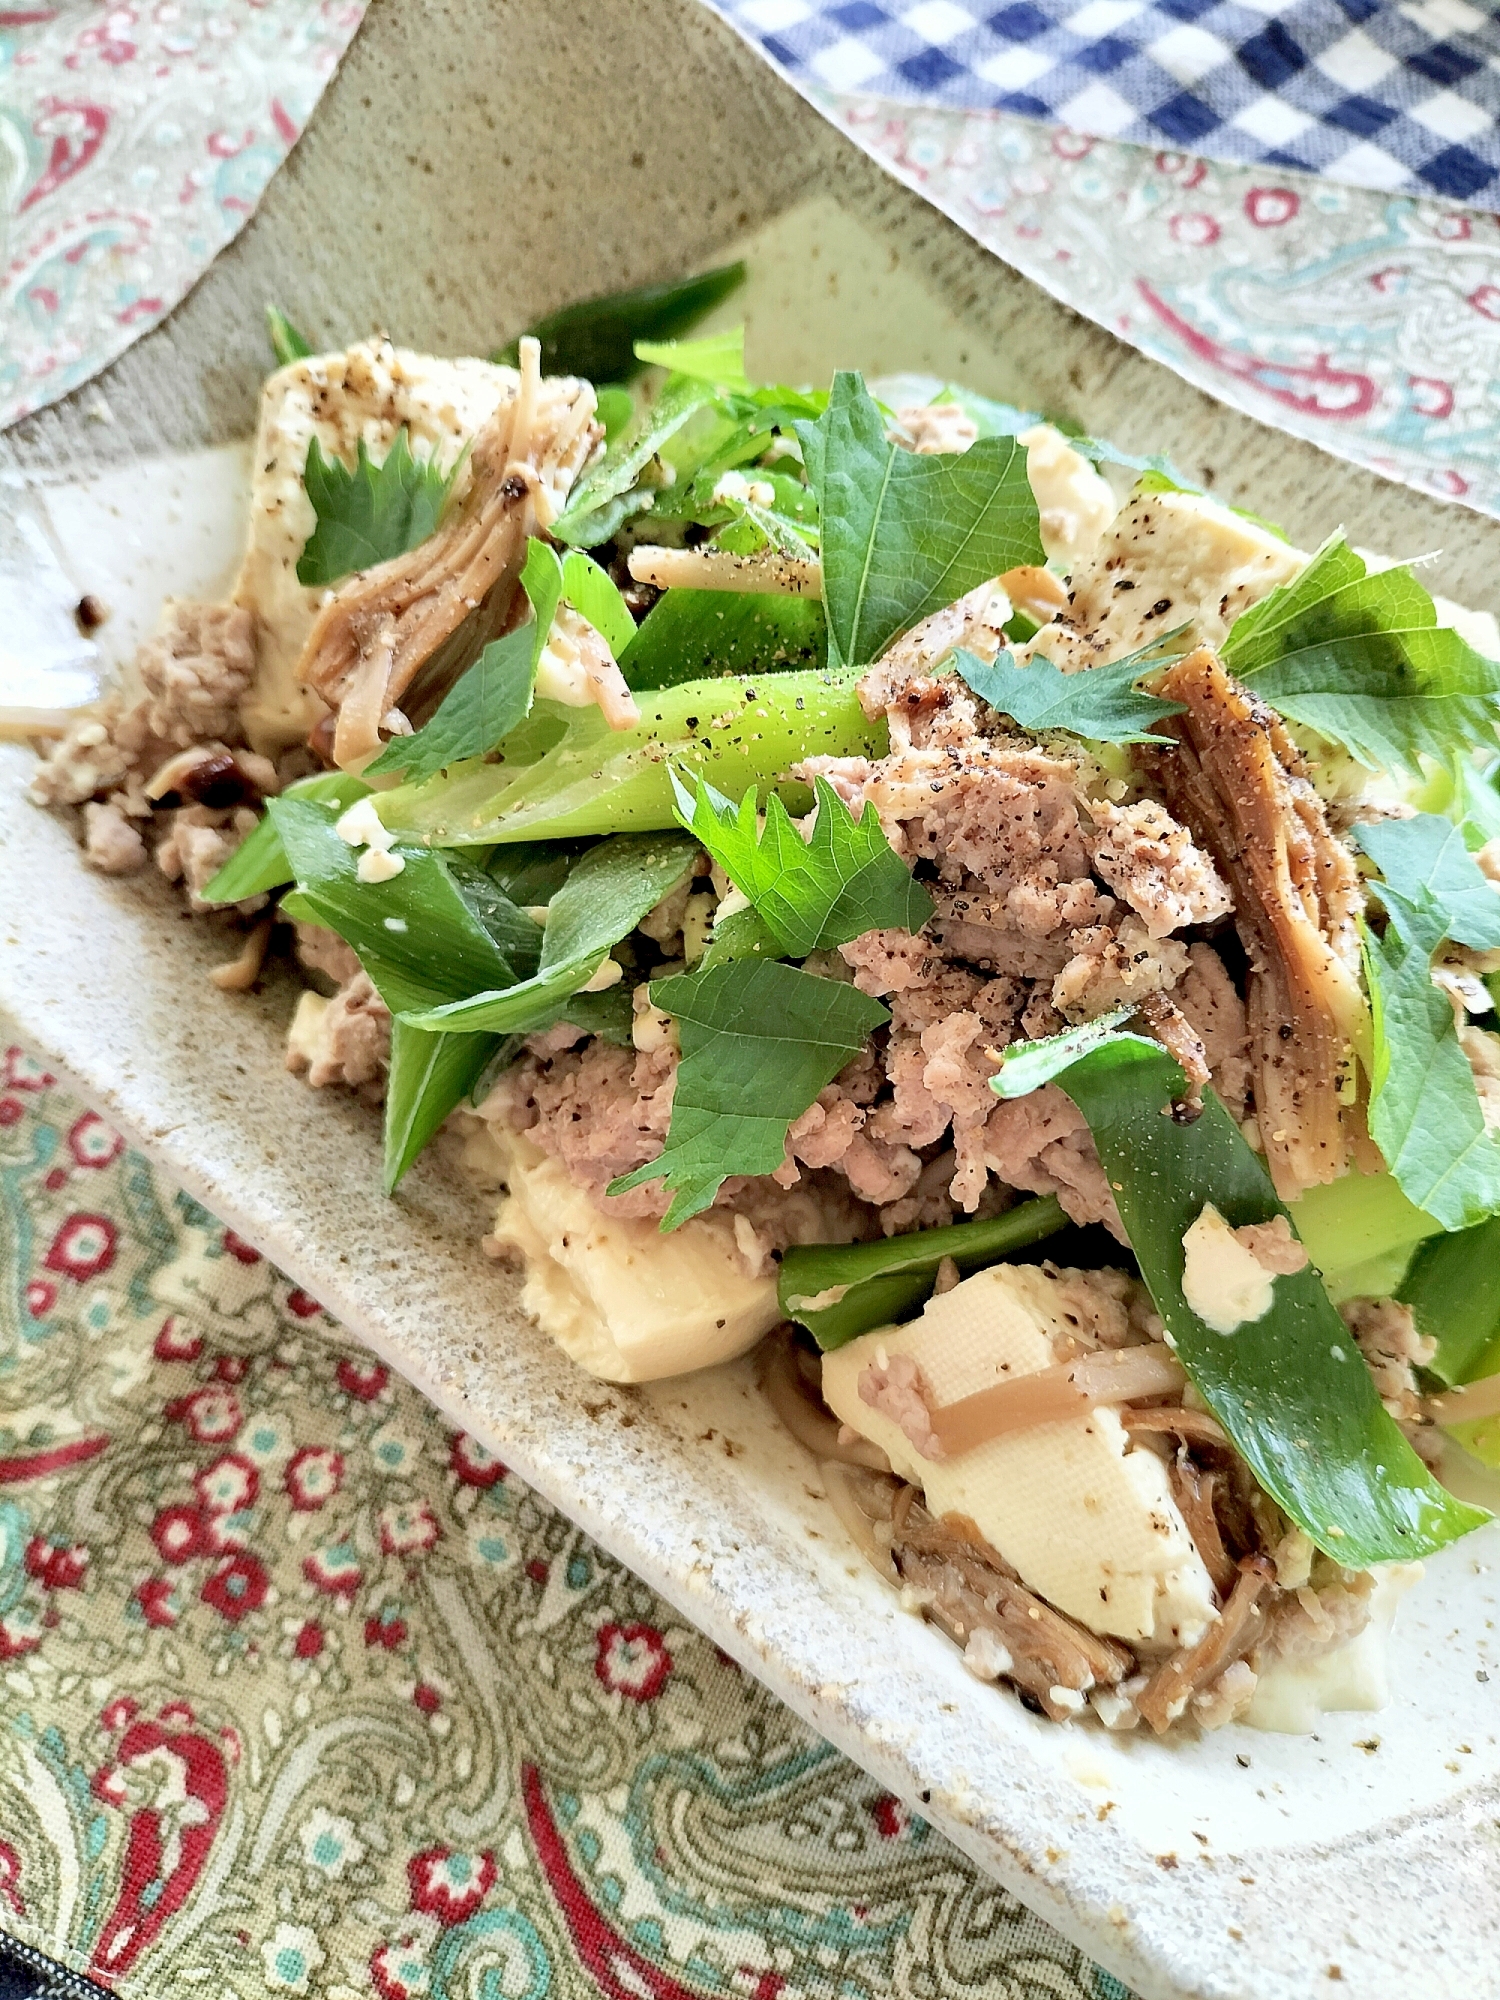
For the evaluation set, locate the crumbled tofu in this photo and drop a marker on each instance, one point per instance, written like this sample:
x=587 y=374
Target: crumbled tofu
x=1222 y=1280
x=610 y=973
x=650 y=1030
x=1087 y=1521
x=362 y=826
x=377 y=864
x=303 y=1036
x=731 y=487
x=621 y=1299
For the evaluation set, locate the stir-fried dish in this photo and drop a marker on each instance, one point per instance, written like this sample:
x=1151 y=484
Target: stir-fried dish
x=867 y=872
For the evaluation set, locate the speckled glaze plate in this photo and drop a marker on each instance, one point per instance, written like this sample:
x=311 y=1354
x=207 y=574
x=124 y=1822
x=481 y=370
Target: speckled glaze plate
x=1363 y=1861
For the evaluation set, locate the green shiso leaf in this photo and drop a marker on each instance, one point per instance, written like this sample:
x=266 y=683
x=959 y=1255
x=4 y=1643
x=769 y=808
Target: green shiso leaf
x=816 y=893
x=1106 y=704
x=1362 y=659
x=742 y=934
x=902 y=534
x=759 y=1041
x=1425 y=1114
x=591 y=592
x=371 y=514
x=491 y=699
x=1290 y=1388
x=494 y=696
x=1430 y=880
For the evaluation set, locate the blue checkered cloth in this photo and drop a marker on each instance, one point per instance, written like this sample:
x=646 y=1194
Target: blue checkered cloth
x=1405 y=99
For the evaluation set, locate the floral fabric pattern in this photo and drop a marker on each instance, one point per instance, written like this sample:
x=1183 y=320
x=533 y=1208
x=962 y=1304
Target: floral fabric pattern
x=135 y=142
x=302 y=1693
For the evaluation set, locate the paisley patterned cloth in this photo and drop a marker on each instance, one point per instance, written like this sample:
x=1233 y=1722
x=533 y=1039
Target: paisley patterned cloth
x=302 y=1693
x=135 y=141
x=1364 y=322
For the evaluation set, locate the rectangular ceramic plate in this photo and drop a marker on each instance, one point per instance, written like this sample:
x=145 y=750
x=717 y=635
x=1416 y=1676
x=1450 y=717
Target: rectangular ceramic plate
x=1239 y=1865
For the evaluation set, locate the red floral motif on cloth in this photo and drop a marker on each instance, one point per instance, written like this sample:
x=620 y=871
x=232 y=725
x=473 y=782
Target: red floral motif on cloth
x=344 y=1709
x=142 y=138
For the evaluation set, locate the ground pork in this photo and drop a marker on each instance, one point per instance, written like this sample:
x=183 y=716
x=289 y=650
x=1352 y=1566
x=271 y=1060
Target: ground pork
x=1004 y=813
x=1105 y=1308
x=603 y=1111
x=110 y=842
x=1386 y=1335
x=323 y=950
x=897 y=1388
x=925 y=711
x=1042 y=1143
x=1205 y=994
x=349 y=1040
x=1311 y=1621
x=1116 y=968
x=197 y=844
x=1146 y=857
x=184 y=688
x=1273 y=1245
x=891 y=961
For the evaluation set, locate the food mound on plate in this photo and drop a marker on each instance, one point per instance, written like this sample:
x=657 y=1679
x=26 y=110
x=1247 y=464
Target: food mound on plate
x=863 y=868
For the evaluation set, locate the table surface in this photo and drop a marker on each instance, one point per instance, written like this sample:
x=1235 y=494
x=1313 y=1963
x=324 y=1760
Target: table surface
x=303 y=1689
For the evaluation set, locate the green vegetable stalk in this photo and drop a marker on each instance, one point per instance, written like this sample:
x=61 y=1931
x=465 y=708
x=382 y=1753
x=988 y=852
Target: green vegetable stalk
x=594 y=780
x=841 y=1290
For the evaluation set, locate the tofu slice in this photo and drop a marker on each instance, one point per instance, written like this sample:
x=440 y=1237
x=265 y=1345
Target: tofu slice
x=621 y=1299
x=1086 y=1519
x=1075 y=503
x=1168 y=559
x=1292 y=1696
x=365 y=392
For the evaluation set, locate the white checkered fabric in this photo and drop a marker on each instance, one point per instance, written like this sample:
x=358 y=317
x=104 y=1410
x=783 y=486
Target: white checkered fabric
x=1399 y=98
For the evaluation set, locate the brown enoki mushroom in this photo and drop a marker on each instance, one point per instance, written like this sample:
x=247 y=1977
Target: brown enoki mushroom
x=790 y=1378
x=381 y=626
x=1166 y=1695
x=966 y=1587
x=1110 y=1375
x=1236 y=781
x=1195 y=1489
